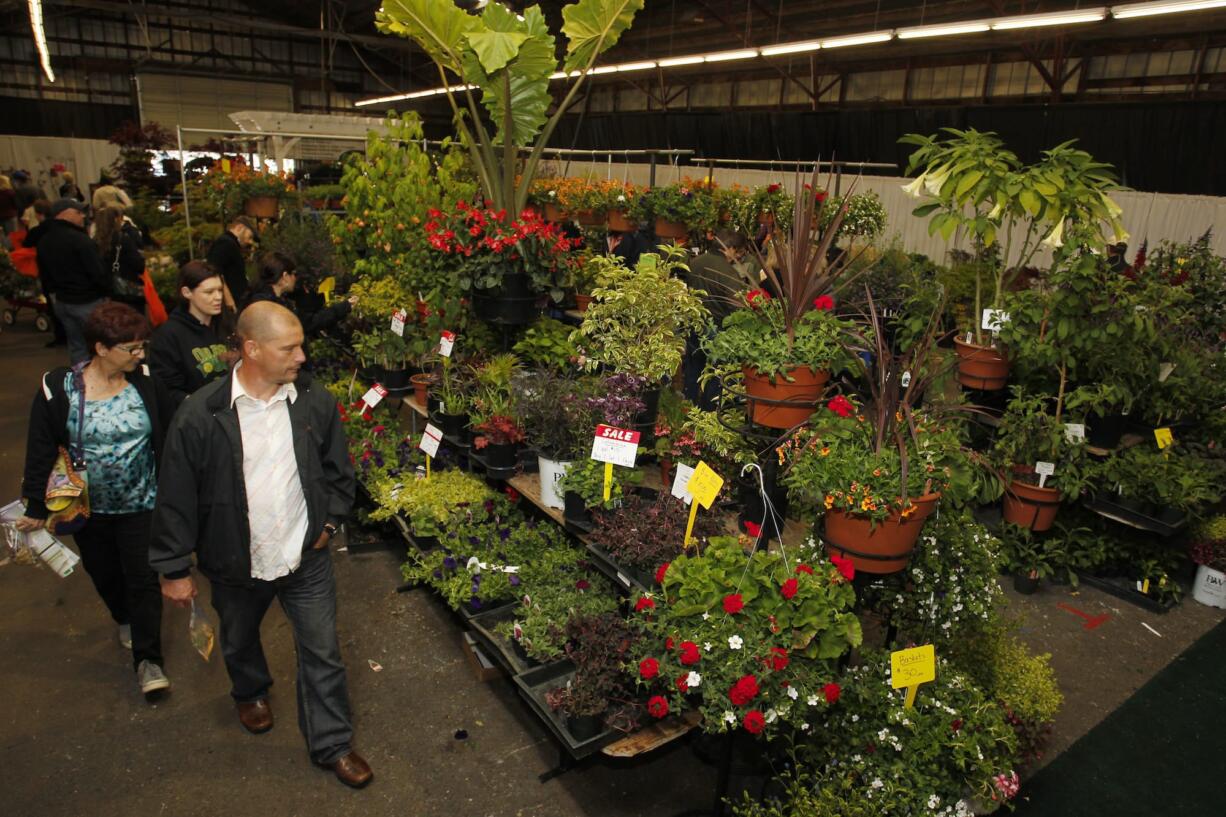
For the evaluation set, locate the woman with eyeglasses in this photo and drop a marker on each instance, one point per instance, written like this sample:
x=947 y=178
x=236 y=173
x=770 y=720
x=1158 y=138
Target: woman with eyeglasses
x=125 y=413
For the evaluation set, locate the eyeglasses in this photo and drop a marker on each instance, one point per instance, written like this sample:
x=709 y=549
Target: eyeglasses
x=134 y=348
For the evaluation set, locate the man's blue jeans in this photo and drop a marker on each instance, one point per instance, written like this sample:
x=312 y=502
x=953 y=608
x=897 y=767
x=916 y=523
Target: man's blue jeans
x=308 y=597
x=73 y=317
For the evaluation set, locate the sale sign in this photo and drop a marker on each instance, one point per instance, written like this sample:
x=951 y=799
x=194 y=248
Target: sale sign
x=617 y=446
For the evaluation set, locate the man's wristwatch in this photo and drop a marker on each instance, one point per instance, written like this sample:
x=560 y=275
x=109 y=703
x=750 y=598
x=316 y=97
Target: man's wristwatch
x=330 y=529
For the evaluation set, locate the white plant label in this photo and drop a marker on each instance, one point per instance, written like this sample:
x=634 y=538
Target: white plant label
x=905 y=379
x=430 y=438
x=446 y=342
x=625 y=581
x=615 y=445
x=374 y=396
x=681 y=482
x=1164 y=371
x=398 y=318
x=1044 y=470
x=1074 y=432
x=994 y=319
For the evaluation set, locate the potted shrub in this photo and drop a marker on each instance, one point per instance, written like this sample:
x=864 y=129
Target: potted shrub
x=598 y=646
x=547 y=343
x=584 y=278
x=1209 y=553
x=645 y=533
x=639 y=323
x=559 y=586
x=969 y=181
x=453 y=401
x=497 y=432
x=1026 y=557
x=557 y=423
x=582 y=489
x=259 y=194
x=428 y=504
x=374 y=342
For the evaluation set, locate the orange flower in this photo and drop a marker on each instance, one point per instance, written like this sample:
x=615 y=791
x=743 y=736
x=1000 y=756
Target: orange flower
x=829 y=501
x=876 y=472
x=825 y=450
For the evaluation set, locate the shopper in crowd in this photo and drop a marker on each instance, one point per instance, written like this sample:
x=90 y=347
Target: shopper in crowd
x=256 y=481
x=278 y=278
x=228 y=255
x=119 y=245
x=627 y=246
x=125 y=412
x=68 y=187
x=108 y=195
x=34 y=215
x=186 y=352
x=72 y=272
x=8 y=206
x=27 y=191
x=38 y=223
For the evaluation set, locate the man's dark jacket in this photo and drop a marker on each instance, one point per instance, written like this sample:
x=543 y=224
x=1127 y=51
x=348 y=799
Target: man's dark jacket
x=226 y=256
x=70 y=261
x=202 y=498
x=48 y=429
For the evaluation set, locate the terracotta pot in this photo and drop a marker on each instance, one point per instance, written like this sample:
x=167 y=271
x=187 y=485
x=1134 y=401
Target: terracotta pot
x=981 y=367
x=421 y=388
x=670 y=229
x=554 y=213
x=618 y=223
x=666 y=473
x=802 y=393
x=261 y=207
x=882 y=548
x=582 y=302
x=589 y=218
x=1031 y=506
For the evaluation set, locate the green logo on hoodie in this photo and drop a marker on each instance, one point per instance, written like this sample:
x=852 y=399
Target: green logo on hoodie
x=209 y=359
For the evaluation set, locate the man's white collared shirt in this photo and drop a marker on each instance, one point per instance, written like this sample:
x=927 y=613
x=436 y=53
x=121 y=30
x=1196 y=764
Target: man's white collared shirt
x=276 y=504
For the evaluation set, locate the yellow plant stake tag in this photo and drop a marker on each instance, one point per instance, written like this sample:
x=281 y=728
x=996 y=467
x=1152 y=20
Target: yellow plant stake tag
x=1164 y=437
x=910 y=668
x=608 y=481
x=225 y=166
x=704 y=486
x=326 y=287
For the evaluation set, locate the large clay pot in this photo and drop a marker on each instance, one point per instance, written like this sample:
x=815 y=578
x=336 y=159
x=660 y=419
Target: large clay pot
x=881 y=548
x=618 y=223
x=981 y=367
x=554 y=213
x=801 y=395
x=421 y=388
x=1031 y=506
x=670 y=229
x=261 y=207
x=582 y=302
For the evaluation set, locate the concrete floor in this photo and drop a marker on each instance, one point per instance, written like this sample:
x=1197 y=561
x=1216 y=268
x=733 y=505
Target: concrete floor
x=77 y=738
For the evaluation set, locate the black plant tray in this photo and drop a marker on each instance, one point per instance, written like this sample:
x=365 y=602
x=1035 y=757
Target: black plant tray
x=1126 y=589
x=491 y=473
x=533 y=685
x=1166 y=524
x=500 y=649
x=467 y=614
x=621 y=576
x=422 y=544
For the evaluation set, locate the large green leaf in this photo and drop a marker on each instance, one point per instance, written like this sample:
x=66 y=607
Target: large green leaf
x=527 y=75
x=495 y=48
x=437 y=27
x=593 y=26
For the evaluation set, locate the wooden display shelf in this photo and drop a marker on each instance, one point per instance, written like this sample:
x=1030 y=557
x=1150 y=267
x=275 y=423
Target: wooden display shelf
x=1127 y=441
x=654 y=735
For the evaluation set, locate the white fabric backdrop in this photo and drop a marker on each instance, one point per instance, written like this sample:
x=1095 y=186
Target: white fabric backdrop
x=85 y=158
x=1152 y=216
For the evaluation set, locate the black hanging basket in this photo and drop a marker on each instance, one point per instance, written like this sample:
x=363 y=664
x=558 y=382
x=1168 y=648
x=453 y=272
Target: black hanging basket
x=512 y=303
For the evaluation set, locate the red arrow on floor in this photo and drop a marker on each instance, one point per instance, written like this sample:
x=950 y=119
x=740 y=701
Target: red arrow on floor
x=1092 y=622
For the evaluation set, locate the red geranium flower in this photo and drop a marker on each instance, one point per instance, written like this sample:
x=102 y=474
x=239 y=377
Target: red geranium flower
x=804 y=569
x=689 y=653
x=832 y=692
x=789 y=588
x=512 y=494
x=681 y=684
x=823 y=302
x=841 y=406
x=668 y=643
x=756 y=295
x=744 y=690
x=754 y=722
x=779 y=658
x=753 y=529
x=582 y=584
x=661 y=571
x=657 y=706
x=649 y=668
x=773 y=188
x=643 y=603
x=733 y=603
x=820 y=197
x=845 y=566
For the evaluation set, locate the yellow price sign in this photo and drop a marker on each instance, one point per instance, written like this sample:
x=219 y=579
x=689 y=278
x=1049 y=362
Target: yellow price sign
x=225 y=166
x=1164 y=437
x=704 y=485
x=326 y=287
x=910 y=668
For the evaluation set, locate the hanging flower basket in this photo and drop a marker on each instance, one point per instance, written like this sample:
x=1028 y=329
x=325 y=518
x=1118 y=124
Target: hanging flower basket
x=670 y=229
x=981 y=367
x=618 y=222
x=883 y=547
x=588 y=218
x=554 y=213
x=784 y=403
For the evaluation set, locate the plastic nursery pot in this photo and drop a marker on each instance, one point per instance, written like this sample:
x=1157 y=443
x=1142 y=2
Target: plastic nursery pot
x=454 y=425
x=512 y=303
x=618 y=223
x=582 y=302
x=1105 y=430
x=584 y=727
x=666 y=472
x=1025 y=584
x=981 y=367
x=575 y=509
x=421 y=388
x=884 y=547
x=1030 y=506
x=501 y=455
x=670 y=229
x=261 y=207
x=784 y=403
x=645 y=422
x=396 y=381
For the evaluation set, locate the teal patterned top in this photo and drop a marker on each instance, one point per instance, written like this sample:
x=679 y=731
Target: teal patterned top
x=118 y=451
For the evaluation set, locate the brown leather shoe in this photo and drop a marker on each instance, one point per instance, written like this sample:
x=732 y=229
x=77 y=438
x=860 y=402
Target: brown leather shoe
x=256 y=717
x=351 y=770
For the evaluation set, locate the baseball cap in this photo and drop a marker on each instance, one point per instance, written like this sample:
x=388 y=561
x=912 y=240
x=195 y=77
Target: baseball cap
x=20 y=175
x=61 y=205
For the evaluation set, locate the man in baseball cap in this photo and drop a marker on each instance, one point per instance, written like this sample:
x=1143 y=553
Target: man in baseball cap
x=71 y=271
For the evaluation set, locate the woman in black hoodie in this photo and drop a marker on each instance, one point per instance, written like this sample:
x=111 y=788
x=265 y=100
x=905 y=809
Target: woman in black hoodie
x=278 y=279
x=186 y=352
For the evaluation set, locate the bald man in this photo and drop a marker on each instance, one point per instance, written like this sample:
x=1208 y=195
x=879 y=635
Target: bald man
x=255 y=480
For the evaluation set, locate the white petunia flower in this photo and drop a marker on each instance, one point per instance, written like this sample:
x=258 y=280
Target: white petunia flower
x=707 y=646
x=792 y=693
x=812 y=700
x=735 y=642
x=706 y=616
x=771 y=716
x=729 y=716
x=692 y=680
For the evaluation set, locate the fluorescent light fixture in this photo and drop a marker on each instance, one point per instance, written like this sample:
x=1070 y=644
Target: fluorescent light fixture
x=790 y=48
x=603 y=69
x=636 y=66
x=414 y=95
x=723 y=56
x=674 y=61
x=858 y=39
x=1060 y=18
x=945 y=29
x=40 y=37
x=1149 y=9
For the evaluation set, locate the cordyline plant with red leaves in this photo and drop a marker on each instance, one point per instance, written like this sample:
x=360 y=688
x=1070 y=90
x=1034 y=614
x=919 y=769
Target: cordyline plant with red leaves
x=735 y=634
x=490 y=244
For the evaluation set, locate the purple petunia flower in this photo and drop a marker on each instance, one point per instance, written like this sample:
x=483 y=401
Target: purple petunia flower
x=514 y=580
x=474 y=603
x=438 y=574
x=449 y=563
x=504 y=534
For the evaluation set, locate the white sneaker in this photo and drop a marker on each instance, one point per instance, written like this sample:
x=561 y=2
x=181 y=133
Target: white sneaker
x=125 y=636
x=151 y=678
